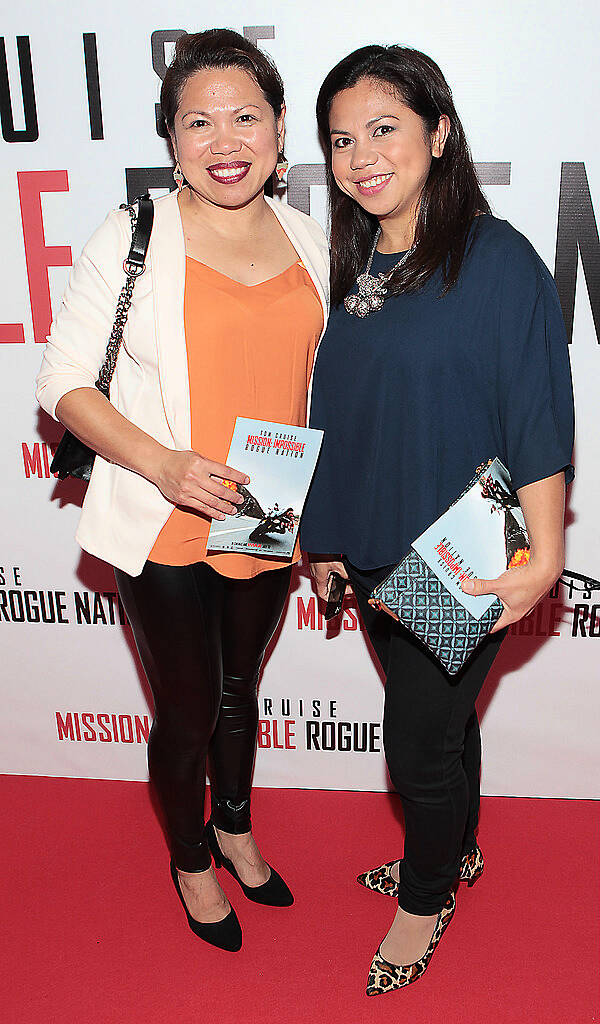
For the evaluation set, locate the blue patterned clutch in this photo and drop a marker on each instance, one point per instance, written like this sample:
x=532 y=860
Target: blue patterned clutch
x=425 y=595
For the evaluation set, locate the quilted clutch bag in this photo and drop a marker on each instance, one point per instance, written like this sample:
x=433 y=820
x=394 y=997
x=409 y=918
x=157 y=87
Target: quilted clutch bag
x=481 y=534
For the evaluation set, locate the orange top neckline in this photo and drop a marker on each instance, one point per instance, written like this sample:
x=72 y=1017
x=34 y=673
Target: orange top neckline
x=250 y=350
x=241 y=284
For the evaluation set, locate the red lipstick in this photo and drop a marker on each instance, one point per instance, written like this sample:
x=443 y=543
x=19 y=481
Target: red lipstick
x=229 y=173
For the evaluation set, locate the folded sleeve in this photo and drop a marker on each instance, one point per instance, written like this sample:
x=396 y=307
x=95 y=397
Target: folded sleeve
x=80 y=331
x=536 y=409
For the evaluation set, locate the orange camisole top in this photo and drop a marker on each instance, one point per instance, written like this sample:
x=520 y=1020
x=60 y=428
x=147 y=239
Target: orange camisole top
x=250 y=350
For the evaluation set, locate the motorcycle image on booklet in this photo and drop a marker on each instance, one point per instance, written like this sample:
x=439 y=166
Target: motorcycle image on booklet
x=280 y=460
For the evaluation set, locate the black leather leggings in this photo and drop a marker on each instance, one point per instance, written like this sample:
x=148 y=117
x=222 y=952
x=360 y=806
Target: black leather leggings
x=201 y=638
x=433 y=751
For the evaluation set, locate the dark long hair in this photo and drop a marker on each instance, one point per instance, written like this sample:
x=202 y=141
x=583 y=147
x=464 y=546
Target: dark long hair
x=451 y=196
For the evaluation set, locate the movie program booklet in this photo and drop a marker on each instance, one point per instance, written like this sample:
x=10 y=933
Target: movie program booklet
x=280 y=460
x=481 y=535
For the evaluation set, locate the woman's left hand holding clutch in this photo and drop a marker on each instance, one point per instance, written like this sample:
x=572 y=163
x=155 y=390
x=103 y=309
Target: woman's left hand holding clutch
x=519 y=589
x=522 y=587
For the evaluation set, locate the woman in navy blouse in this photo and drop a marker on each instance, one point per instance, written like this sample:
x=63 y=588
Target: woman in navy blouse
x=459 y=357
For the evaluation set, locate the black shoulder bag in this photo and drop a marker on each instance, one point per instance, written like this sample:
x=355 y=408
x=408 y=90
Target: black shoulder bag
x=73 y=457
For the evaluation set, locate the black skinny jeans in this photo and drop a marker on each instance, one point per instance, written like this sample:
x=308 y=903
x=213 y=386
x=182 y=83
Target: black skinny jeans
x=201 y=638
x=433 y=751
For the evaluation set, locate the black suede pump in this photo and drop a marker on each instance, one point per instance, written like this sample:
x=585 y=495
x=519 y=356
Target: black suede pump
x=272 y=893
x=225 y=934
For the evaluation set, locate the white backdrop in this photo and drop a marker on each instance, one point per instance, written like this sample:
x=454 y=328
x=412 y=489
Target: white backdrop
x=74 y=703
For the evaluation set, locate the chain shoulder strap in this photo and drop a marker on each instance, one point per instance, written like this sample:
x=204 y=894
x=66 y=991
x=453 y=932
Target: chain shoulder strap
x=132 y=272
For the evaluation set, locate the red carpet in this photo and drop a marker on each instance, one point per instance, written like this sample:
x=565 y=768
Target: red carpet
x=93 y=931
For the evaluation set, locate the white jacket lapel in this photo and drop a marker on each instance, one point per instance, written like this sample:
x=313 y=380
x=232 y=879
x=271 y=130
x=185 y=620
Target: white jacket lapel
x=167 y=250
x=299 y=241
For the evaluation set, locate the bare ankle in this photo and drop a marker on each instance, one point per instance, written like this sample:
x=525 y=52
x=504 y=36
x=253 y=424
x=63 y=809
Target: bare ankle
x=223 y=834
x=197 y=881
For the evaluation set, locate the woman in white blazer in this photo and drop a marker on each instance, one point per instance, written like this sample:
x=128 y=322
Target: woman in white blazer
x=231 y=277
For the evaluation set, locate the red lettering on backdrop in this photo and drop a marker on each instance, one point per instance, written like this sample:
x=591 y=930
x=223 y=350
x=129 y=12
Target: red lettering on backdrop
x=32 y=462
x=38 y=255
x=268 y=734
x=12 y=334
x=264 y=733
x=32 y=459
x=142 y=729
x=64 y=726
x=290 y=735
x=306 y=612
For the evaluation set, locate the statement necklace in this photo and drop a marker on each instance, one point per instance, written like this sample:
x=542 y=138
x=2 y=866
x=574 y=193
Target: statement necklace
x=372 y=291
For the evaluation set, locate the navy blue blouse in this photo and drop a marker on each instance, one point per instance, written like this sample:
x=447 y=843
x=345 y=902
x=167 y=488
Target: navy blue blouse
x=414 y=397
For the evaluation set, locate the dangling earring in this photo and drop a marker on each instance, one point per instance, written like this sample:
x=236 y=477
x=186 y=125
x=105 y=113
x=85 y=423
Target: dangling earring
x=281 y=168
x=178 y=176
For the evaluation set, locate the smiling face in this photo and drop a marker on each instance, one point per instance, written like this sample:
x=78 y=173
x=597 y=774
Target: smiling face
x=226 y=136
x=381 y=151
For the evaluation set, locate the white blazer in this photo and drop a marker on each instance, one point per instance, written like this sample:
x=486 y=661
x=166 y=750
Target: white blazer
x=123 y=513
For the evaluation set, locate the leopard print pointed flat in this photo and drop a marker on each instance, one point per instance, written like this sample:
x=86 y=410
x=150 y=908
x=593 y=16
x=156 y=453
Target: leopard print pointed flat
x=381 y=879
x=386 y=977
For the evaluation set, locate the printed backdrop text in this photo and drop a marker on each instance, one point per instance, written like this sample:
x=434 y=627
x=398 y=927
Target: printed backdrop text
x=81 y=132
